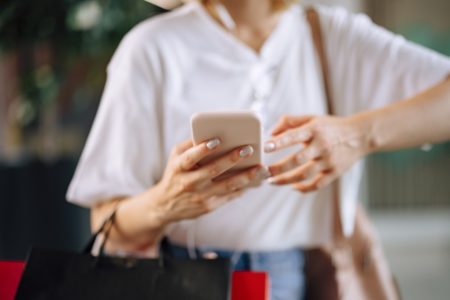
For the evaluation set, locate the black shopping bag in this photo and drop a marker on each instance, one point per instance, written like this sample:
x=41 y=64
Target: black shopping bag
x=58 y=275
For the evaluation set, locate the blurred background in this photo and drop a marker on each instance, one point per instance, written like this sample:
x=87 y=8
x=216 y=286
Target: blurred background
x=53 y=55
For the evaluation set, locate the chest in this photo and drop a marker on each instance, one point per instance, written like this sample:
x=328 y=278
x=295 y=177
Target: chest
x=290 y=83
x=212 y=82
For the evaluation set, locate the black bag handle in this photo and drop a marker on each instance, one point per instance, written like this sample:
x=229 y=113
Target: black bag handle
x=106 y=227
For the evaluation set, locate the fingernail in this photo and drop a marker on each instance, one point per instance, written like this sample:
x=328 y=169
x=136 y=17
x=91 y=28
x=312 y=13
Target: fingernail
x=239 y=184
x=264 y=173
x=269 y=146
x=246 y=151
x=211 y=144
x=243 y=182
x=271 y=180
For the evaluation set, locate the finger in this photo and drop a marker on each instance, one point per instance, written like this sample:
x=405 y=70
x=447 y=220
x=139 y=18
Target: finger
x=192 y=156
x=288 y=163
x=262 y=174
x=327 y=180
x=235 y=183
x=315 y=183
x=215 y=202
x=291 y=176
x=289 y=138
x=307 y=170
x=222 y=164
x=288 y=121
x=180 y=148
x=310 y=152
x=231 y=188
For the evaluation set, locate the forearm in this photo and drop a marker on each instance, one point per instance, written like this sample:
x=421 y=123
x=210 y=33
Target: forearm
x=424 y=118
x=138 y=225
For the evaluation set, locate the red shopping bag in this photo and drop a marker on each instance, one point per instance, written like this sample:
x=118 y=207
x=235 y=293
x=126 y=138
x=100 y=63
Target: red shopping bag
x=10 y=273
x=250 y=286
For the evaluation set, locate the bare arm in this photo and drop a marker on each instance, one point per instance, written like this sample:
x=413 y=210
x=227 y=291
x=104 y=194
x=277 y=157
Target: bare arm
x=334 y=144
x=425 y=118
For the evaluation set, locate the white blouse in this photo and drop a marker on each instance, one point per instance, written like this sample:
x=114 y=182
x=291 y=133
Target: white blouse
x=182 y=62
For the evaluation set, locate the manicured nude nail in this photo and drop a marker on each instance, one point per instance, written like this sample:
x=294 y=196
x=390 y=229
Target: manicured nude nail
x=211 y=144
x=271 y=180
x=264 y=173
x=246 y=151
x=242 y=182
x=269 y=147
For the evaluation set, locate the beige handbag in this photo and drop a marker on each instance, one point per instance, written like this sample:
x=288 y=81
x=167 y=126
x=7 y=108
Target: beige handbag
x=352 y=268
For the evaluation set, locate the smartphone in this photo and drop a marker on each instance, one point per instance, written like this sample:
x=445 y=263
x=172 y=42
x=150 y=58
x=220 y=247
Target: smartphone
x=234 y=129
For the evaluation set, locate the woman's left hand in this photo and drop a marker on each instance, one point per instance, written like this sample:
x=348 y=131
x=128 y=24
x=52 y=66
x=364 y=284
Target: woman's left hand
x=329 y=146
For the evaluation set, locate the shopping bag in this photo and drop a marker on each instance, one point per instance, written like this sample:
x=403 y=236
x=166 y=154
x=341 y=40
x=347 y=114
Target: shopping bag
x=10 y=273
x=248 y=285
x=57 y=275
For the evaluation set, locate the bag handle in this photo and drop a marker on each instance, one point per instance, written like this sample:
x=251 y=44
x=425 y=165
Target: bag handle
x=316 y=33
x=104 y=229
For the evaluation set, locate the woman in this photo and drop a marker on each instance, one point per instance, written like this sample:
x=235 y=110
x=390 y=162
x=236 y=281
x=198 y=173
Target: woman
x=235 y=55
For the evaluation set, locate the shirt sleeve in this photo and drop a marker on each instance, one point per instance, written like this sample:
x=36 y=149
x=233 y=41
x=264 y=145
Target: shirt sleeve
x=122 y=156
x=370 y=66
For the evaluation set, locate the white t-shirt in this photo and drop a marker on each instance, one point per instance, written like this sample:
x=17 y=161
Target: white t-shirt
x=182 y=62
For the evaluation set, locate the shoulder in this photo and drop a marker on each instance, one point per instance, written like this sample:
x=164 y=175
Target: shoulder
x=344 y=29
x=338 y=17
x=340 y=24
x=147 y=40
x=163 y=26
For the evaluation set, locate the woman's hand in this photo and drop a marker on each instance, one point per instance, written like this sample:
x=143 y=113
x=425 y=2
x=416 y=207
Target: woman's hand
x=185 y=191
x=188 y=191
x=328 y=147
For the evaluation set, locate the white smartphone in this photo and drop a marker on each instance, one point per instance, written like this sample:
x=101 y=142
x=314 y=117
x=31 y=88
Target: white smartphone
x=234 y=129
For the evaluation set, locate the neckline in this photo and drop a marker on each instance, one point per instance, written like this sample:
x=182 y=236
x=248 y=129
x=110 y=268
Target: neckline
x=276 y=34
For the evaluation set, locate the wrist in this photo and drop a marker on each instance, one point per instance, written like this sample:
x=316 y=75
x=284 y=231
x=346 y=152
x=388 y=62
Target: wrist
x=139 y=225
x=156 y=211
x=366 y=138
x=128 y=234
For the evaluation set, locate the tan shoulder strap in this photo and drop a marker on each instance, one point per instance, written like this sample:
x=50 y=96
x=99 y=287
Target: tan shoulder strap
x=316 y=33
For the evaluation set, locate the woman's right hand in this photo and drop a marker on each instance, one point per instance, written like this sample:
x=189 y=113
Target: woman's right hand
x=188 y=191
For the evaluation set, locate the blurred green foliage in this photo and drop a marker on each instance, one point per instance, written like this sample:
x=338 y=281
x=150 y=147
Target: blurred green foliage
x=74 y=26
x=63 y=47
